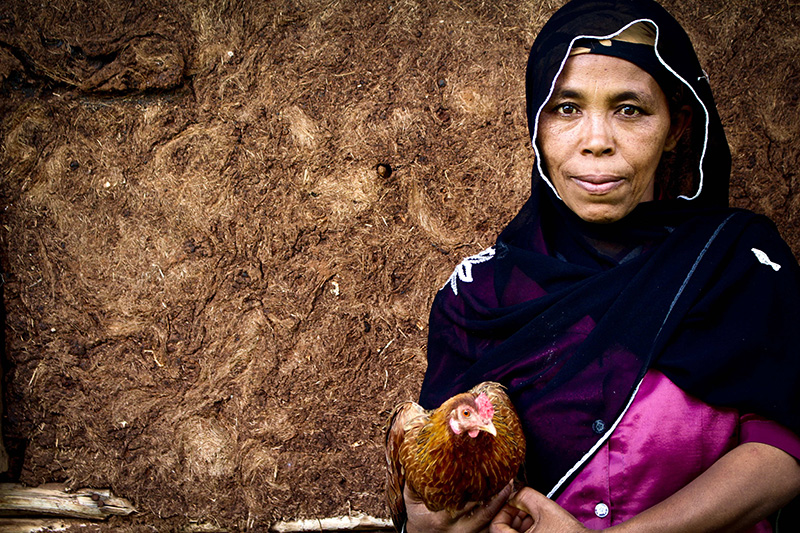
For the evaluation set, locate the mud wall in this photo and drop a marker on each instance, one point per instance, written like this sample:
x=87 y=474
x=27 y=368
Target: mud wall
x=212 y=297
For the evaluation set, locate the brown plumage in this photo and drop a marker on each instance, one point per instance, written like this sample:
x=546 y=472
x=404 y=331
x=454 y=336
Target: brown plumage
x=466 y=450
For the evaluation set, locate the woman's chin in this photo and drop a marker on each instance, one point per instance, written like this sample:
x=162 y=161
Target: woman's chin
x=600 y=213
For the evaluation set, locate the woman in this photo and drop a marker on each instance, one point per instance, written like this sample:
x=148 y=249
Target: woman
x=646 y=332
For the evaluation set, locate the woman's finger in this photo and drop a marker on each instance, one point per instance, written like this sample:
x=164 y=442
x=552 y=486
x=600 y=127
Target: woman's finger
x=527 y=500
x=473 y=517
x=494 y=505
x=506 y=521
x=482 y=515
x=542 y=513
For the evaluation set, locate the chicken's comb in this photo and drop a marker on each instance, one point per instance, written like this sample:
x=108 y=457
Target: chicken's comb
x=485 y=407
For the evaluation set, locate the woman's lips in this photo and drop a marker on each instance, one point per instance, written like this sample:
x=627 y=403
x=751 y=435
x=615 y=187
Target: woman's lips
x=601 y=184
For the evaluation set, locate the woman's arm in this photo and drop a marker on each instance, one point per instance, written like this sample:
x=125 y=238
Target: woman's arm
x=743 y=487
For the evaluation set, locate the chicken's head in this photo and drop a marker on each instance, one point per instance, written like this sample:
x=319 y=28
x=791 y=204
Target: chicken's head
x=473 y=415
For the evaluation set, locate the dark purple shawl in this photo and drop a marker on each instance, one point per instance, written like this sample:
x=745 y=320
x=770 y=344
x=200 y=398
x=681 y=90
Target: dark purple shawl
x=571 y=330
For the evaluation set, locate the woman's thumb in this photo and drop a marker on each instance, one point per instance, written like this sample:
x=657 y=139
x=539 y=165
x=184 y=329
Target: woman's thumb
x=526 y=500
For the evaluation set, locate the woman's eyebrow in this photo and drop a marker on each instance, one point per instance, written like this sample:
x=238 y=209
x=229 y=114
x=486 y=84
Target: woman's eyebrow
x=637 y=96
x=578 y=94
x=566 y=94
x=569 y=93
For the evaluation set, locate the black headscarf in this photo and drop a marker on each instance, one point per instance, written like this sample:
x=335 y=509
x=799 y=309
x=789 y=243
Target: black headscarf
x=706 y=294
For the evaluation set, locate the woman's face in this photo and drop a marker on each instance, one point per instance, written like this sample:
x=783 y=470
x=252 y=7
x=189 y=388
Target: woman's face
x=602 y=135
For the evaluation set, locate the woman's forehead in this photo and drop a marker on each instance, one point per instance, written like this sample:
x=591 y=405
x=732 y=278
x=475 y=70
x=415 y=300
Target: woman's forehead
x=587 y=74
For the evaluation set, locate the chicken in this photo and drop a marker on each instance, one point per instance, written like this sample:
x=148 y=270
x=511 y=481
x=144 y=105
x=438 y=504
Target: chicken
x=466 y=450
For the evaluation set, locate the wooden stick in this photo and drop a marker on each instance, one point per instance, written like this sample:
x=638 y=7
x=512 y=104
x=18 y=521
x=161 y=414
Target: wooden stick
x=54 y=500
x=42 y=525
x=355 y=522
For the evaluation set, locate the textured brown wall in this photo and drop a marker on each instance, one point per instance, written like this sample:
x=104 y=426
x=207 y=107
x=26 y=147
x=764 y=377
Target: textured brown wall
x=213 y=299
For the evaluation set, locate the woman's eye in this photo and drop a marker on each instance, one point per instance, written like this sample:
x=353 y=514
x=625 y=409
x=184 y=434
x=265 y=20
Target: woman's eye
x=567 y=109
x=630 y=111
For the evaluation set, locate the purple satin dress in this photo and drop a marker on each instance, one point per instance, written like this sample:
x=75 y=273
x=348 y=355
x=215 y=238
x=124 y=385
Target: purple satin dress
x=664 y=441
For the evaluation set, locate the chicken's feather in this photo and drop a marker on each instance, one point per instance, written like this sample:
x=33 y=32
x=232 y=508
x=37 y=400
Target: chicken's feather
x=405 y=415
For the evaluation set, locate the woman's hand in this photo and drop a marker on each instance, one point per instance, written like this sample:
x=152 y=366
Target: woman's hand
x=529 y=511
x=472 y=519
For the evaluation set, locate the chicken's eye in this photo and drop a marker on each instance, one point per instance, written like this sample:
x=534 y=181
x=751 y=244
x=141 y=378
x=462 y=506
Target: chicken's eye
x=466 y=413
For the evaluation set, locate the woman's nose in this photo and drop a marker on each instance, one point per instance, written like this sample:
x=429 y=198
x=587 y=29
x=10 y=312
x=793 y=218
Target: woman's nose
x=598 y=136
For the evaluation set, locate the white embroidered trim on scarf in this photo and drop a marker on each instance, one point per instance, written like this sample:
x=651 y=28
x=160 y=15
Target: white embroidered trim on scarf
x=463 y=270
x=764 y=259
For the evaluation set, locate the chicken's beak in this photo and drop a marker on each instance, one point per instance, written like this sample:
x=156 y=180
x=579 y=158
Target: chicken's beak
x=488 y=427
